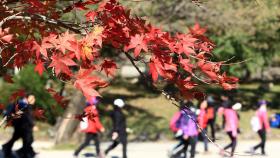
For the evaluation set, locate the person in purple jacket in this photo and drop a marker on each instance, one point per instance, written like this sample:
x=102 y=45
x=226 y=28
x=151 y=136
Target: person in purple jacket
x=187 y=123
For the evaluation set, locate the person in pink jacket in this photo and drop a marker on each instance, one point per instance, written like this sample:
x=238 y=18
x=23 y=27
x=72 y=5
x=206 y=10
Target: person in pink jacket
x=261 y=114
x=231 y=126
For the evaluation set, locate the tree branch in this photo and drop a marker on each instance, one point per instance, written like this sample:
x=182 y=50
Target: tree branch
x=45 y=19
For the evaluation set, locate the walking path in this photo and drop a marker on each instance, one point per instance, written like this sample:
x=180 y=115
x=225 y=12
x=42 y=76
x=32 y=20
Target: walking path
x=154 y=150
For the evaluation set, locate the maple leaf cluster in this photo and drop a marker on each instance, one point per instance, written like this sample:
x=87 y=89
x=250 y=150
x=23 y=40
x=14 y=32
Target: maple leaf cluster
x=74 y=55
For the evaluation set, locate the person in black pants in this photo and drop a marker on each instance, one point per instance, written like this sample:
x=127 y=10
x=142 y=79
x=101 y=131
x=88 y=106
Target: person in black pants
x=20 y=114
x=89 y=137
x=119 y=128
x=262 y=135
x=191 y=141
x=233 y=143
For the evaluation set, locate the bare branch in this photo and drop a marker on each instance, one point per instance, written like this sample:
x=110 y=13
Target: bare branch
x=45 y=19
x=9 y=18
x=10 y=59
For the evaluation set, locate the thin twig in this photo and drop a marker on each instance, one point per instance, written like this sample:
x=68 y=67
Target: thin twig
x=10 y=59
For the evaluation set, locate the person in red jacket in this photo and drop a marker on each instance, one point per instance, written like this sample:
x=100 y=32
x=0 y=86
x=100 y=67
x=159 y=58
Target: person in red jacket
x=91 y=125
x=202 y=121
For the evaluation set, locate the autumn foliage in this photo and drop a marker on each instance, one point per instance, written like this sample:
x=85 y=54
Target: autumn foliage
x=72 y=51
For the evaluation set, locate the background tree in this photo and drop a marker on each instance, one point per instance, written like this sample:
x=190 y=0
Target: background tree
x=242 y=30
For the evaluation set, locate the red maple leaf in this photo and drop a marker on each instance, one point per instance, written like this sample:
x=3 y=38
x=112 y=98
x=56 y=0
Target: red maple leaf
x=79 y=117
x=8 y=78
x=4 y=36
x=197 y=30
x=210 y=69
x=109 y=66
x=39 y=113
x=61 y=64
x=2 y=106
x=186 y=84
x=153 y=71
x=39 y=67
x=138 y=43
x=186 y=44
x=186 y=64
x=91 y=15
x=87 y=83
x=16 y=94
x=228 y=86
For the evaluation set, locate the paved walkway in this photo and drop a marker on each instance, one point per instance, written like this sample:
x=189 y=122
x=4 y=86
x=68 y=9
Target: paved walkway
x=154 y=150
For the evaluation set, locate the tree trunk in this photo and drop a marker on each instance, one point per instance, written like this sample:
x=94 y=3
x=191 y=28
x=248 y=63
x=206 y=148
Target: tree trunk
x=67 y=126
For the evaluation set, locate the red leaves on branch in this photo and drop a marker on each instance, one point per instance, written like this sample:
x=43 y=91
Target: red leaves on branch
x=61 y=64
x=87 y=83
x=175 y=58
x=58 y=98
x=39 y=68
x=109 y=66
x=15 y=95
x=4 y=36
x=39 y=113
x=138 y=43
x=8 y=78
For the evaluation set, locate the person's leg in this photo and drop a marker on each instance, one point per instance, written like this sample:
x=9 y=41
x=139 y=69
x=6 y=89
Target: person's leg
x=185 y=149
x=112 y=146
x=124 y=145
x=260 y=144
x=205 y=140
x=193 y=146
x=176 y=147
x=212 y=126
x=97 y=144
x=83 y=145
x=229 y=145
x=263 y=139
x=27 y=151
x=7 y=147
x=234 y=143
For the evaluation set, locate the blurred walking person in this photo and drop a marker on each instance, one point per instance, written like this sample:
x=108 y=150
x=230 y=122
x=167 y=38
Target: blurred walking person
x=119 y=134
x=261 y=126
x=187 y=123
x=92 y=126
x=21 y=118
x=211 y=115
x=231 y=125
x=175 y=126
x=202 y=121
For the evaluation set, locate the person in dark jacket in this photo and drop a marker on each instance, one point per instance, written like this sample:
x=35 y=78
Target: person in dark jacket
x=20 y=115
x=92 y=129
x=119 y=128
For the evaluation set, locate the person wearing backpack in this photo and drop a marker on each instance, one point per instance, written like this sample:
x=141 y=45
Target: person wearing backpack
x=187 y=123
x=92 y=126
x=261 y=126
x=174 y=125
x=20 y=116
